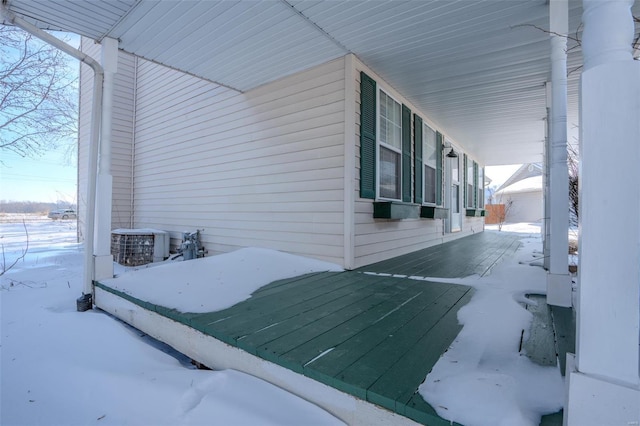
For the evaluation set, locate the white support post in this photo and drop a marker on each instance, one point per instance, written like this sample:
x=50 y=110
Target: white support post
x=558 y=279
x=349 y=161
x=102 y=249
x=604 y=386
x=545 y=181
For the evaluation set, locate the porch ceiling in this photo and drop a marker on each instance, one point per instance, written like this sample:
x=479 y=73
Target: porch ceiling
x=476 y=68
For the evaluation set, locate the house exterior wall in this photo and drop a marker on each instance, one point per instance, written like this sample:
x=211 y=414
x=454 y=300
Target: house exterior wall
x=122 y=136
x=379 y=239
x=526 y=206
x=262 y=168
x=274 y=167
x=123 y=141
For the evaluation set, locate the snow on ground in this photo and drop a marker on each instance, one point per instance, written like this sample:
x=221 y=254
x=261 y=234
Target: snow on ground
x=216 y=282
x=523 y=228
x=61 y=367
x=482 y=379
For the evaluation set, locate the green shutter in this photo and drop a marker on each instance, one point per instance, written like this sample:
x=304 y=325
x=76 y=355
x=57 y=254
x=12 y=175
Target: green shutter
x=367 y=137
x=406 y=154
x=465 y=180
x=417 y=150
x=476 y=202
x=439 y=140
x=482 y=200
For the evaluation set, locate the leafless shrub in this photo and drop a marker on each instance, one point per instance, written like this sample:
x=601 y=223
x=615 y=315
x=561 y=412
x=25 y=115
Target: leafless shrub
x=4 y=267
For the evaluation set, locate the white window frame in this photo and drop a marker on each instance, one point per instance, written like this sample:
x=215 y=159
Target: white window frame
x=380 y=144
x=470 y=181
x=480 y=188
x=425 y=126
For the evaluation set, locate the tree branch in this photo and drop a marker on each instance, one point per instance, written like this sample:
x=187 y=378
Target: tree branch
x=24 y=253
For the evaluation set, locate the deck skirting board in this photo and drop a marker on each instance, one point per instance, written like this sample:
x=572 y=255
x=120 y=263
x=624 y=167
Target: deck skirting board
x=219 y=356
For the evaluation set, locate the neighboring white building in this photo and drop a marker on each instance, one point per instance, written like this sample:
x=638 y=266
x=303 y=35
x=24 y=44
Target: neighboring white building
x=523 y=194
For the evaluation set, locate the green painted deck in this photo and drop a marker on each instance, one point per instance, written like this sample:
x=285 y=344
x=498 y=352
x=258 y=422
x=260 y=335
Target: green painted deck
x=372 y=336
x=475 y=254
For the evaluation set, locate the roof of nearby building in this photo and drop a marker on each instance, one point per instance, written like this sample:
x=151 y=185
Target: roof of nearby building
x=530 y=184
x=525 y=171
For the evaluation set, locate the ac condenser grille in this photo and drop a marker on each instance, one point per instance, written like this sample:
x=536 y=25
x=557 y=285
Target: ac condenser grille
x=132 y=249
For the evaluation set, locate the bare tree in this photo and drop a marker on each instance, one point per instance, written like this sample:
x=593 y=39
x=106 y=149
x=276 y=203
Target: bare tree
x=572 y=162
x=38 y=94
x=503 y=214
x=4 y=267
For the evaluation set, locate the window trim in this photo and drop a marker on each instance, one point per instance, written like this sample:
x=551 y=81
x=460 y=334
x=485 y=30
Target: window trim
x=425 y=126
x=470 y=180
x=380 y=144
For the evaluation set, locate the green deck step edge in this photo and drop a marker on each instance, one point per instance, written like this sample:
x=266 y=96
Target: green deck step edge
x=427 y=417
x=539 y=345
x=296 y=356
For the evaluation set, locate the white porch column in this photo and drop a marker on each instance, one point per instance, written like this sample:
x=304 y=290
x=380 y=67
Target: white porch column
x=558 y=279
x=102 y=248
x=604 y=386
x=546 y=232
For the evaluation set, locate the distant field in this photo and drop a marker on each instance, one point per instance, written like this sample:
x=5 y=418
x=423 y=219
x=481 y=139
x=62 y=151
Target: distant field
x=19 y=231
x=26 y=217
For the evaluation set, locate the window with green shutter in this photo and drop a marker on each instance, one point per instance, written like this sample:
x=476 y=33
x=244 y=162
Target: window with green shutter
x=476 y=199
x=368 y=116
x=417 y=166
x=399 y=160
x=406 y=154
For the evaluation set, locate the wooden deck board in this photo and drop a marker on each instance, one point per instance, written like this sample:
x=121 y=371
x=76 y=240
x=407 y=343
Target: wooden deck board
x=260 y=313
x=375 y=337
x=564 y=322
x=376 y=361
x=381 y=332
x=475 y=254
x=371 y=326
x=394 y=388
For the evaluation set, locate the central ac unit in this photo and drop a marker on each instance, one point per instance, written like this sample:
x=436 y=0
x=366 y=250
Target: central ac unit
x=134 y=247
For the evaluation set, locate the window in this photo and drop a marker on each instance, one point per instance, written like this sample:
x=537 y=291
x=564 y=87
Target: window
x=480 y=187
x=471 y=177
x=390 y=151
x=429 y=153
x=455 y=187
x=390 y=147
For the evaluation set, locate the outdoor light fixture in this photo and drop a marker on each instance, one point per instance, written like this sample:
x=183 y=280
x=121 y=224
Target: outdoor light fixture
x=452 y=154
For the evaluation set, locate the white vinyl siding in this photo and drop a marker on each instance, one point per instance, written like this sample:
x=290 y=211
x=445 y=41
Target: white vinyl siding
x=121 y=136
x=264 y=168
x=122 y=139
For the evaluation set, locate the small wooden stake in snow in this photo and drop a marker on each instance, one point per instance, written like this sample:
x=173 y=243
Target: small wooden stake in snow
x=521 y=339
